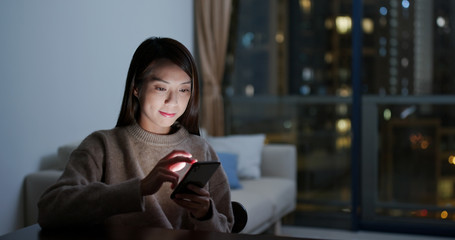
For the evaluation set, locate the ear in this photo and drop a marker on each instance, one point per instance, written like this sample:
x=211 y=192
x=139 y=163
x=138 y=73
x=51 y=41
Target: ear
x=136 y=92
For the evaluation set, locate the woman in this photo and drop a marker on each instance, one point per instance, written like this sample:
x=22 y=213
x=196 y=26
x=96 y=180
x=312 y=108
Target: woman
x=125 y=176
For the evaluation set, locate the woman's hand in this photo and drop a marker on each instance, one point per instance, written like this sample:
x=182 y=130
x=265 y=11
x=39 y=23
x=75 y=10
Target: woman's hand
x=162 y=172
x=198 y=204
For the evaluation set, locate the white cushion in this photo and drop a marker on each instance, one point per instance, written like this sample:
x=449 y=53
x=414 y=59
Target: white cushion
x=247 y=147
x=35 y=185
x=280 y=191
x=259 y=209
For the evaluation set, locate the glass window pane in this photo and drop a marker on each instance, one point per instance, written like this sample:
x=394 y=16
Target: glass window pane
x=288 y=75
x=416 y=161
x=408 y=47
x=408 y=62
x=321 y=131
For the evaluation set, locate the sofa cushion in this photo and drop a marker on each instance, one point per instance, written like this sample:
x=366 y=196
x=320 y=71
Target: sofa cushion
x=247 y=147
x=279 y=191
x=259 y=209
x=229 y=163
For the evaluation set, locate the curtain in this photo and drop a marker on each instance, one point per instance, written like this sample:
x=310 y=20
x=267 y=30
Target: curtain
x=212 y=29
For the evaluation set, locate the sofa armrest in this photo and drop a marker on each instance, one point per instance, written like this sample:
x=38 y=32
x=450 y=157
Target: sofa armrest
x=35 y=184
x=279 y=160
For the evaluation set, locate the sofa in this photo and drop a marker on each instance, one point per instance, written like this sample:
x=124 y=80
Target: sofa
x=267 y=197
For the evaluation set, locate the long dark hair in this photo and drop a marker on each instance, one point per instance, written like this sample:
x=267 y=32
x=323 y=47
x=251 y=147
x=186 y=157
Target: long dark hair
x=150 y=50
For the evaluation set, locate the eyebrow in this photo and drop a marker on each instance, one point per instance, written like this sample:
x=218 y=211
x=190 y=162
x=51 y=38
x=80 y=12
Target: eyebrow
x=154 y=78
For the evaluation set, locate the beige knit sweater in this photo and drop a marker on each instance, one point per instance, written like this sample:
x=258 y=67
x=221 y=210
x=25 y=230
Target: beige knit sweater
x=101 y=183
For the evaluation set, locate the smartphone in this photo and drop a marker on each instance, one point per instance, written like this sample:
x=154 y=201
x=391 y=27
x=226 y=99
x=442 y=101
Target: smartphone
x=198 y=174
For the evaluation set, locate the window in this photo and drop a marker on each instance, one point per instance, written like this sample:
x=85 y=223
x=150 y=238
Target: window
x=289 y=75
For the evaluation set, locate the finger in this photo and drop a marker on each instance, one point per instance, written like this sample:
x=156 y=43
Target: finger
x=177 y=166
x=181 y=159
x=178 y=163
x=197 y=208
x=170 y=177
x=192 y=201
x=196 y=199
x=177 y=153
x=150 y=185
x=186 y=203
x=198 y=190
x=174 y=164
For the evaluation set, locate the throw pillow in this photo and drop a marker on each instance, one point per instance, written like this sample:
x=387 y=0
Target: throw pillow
x=229 y=164
x=248 y=149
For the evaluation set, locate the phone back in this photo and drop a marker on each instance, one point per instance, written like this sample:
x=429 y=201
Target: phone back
x=199 y=174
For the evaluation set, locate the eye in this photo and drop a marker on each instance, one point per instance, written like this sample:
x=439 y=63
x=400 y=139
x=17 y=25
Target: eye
x=160 y=89
x=184 y=90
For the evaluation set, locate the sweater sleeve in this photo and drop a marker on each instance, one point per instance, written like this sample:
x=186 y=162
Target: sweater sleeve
x=80 y=197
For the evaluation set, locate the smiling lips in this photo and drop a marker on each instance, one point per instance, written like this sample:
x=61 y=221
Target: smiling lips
x=168 y=115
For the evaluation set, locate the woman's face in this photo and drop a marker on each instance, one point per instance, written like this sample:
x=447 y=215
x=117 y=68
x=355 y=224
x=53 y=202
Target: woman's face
x=164 y=96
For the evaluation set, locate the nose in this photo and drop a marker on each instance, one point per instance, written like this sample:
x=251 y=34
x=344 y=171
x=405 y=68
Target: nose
x=172 y=98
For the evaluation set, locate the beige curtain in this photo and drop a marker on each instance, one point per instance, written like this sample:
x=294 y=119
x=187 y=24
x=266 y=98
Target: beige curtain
x=212 y=28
